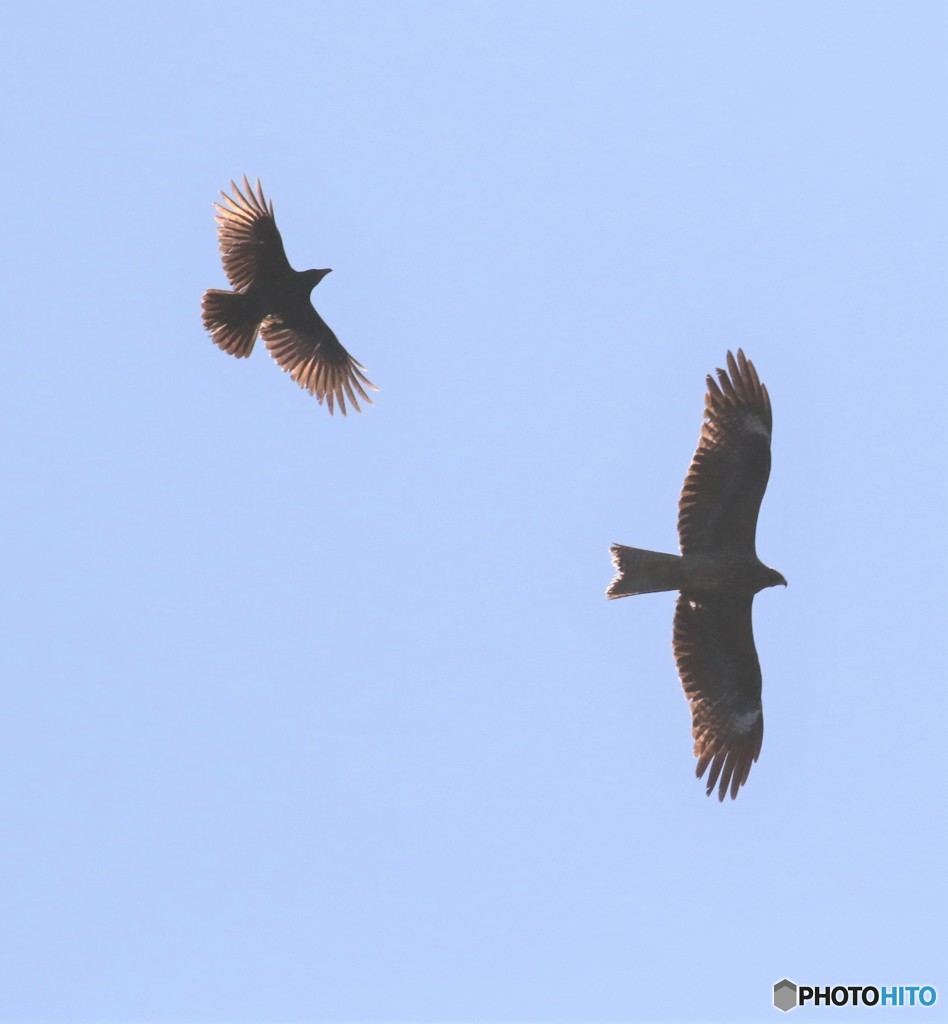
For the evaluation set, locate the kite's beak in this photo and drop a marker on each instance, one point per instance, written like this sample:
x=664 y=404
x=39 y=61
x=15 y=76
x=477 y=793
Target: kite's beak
x=776 y=579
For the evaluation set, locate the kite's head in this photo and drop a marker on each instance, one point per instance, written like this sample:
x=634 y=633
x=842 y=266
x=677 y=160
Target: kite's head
x=774 y=579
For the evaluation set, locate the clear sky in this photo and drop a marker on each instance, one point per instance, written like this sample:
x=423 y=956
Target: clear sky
x=319 y=719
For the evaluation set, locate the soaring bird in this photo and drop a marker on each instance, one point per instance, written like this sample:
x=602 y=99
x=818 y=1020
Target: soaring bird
x=271 y=297
x=717 y=573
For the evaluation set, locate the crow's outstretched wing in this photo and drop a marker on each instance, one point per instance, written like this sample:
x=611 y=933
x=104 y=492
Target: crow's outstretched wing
x=307 y=349
x=725 y=484
x=251 y=247
x=720 y=673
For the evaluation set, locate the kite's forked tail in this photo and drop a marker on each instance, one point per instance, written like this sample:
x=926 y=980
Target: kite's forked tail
x=643 y=572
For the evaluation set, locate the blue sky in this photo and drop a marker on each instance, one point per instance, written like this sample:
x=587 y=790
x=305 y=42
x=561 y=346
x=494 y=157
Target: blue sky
x=320 y=719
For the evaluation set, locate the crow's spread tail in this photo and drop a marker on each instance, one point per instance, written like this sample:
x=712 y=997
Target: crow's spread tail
x=233 y=320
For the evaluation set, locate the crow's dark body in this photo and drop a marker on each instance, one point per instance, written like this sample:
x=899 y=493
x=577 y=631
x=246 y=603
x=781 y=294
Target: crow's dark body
x=272 y=298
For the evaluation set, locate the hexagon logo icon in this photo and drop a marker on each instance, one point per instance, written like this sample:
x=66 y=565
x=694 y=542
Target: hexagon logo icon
x=785 y=995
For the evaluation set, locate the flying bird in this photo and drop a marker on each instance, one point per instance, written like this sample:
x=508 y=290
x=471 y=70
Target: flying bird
x=717 y=573
x=271 y=297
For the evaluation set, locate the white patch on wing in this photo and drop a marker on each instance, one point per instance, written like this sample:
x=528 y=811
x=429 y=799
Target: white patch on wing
x=744 y=721
x=753 y=424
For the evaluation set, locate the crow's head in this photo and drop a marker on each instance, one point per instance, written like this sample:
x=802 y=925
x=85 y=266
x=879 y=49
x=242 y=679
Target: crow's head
x=313 y=277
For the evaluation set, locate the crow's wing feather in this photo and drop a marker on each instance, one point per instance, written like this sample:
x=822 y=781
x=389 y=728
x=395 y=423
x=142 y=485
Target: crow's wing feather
x=307 y=349
x=251 y=247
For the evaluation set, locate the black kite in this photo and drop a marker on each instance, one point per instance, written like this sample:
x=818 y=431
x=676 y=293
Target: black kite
x=718 y=573
x=271 y=297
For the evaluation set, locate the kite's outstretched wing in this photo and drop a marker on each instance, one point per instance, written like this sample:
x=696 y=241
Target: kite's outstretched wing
x=725 y=484
x=720 y=673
